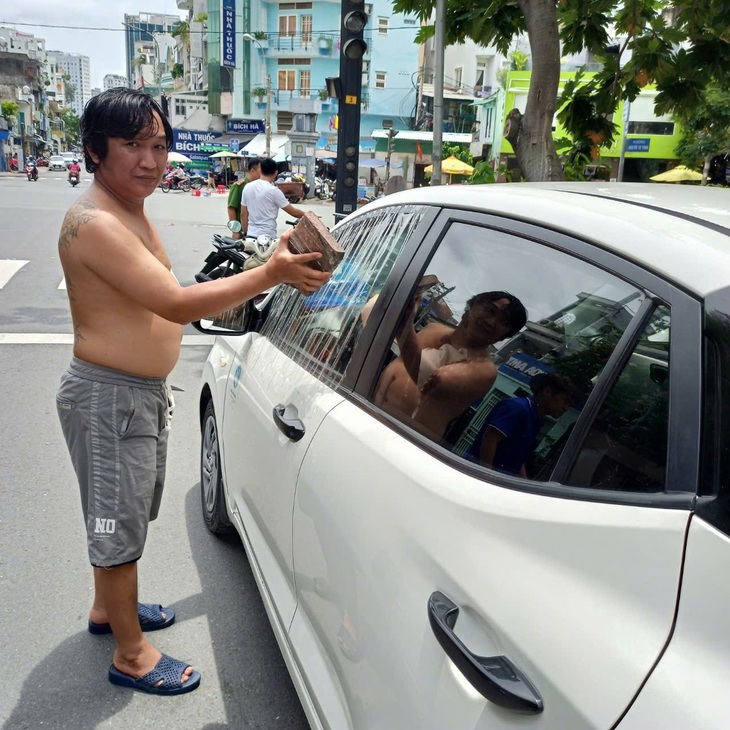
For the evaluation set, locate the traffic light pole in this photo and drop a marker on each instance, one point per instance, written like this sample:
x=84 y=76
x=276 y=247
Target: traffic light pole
x=352 y=49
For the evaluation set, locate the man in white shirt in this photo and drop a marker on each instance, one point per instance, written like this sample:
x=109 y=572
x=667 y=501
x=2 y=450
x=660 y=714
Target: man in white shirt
x=261 y=202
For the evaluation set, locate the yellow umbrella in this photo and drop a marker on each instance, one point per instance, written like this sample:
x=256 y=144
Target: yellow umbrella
x=677 y=174
x=453 y=166
x=225 y=153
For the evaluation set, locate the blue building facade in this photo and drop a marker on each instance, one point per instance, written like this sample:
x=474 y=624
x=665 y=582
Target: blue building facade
x=297 y=45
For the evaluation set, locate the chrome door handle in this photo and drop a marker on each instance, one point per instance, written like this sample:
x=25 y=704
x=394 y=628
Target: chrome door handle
x=496 y=677
x=287 y=421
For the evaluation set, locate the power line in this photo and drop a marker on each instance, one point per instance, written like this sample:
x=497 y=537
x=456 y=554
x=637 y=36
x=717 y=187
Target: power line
x=209 y=32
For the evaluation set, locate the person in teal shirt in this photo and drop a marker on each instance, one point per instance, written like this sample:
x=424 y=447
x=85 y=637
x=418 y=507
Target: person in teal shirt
x=236 y=191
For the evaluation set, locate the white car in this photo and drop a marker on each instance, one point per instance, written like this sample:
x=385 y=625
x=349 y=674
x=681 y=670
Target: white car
x=69 y=157
x=441 y=539
x=57 y=163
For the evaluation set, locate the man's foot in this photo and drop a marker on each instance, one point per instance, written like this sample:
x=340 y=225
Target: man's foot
x=168 y=676
x=152 y=617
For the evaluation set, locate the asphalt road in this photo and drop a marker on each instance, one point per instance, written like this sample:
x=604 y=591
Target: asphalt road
x=53 y=670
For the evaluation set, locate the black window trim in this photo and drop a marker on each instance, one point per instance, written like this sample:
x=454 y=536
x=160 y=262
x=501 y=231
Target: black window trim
x=685 y=375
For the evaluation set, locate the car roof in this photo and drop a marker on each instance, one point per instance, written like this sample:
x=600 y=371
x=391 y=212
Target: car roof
x=682 y=232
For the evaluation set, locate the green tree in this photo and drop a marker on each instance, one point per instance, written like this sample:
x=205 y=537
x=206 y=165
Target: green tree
x=9 y=110
x=680 y=56
x=70 y=125
x=178 y=71
x=69 y=90
x=706 y=132
x=460 y=151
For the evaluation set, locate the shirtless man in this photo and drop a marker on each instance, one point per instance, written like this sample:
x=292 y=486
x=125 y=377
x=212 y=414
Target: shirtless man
x=441 y=369
x=128 y=312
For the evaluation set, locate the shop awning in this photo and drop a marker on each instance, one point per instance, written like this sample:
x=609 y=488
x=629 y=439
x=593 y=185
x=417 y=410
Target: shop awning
x=257 y=146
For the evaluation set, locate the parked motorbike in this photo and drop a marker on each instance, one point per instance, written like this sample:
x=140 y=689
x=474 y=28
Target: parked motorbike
x=323 y=188
x=31 y=172
x=232 y=256
x=173 y=183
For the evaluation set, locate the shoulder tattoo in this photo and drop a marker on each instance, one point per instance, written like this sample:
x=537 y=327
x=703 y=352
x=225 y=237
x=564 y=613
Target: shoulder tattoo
x=81 y=212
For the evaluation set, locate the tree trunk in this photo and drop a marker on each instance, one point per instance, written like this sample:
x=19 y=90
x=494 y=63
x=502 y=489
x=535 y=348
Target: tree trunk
x=706 y=169
x=530 y=134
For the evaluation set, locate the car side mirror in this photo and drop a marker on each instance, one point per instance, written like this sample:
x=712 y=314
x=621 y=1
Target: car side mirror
x=232 y=322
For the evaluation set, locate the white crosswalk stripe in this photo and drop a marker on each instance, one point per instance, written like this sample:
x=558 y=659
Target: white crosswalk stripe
x=9 y=268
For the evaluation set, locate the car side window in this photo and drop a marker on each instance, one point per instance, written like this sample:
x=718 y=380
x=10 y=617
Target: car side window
x=500 y=347
x=320 y=331
x=626 y=447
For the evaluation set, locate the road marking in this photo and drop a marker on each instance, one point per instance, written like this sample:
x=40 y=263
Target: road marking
x=62 y=285
x=9 y=268
x=24 y=338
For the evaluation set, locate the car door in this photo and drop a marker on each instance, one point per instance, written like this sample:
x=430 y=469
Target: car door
x=443 y=593
x=700 y=644
x=283 y=382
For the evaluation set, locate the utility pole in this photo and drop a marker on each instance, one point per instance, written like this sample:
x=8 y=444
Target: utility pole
x=268 y=115
x=391 y=134
x=624 y=140
x=438 y=91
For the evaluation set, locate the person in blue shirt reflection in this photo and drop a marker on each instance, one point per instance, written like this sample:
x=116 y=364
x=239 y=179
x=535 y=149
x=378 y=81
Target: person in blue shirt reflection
x=509 y=433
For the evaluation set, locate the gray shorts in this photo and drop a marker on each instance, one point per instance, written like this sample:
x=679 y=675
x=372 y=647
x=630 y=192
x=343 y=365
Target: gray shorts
x=116 y=428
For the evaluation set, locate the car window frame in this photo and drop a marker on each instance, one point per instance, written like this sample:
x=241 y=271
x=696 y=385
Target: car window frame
x=346 y=384
x=683 y=447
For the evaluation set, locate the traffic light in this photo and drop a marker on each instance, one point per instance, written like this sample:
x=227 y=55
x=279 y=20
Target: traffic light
x=353 y=47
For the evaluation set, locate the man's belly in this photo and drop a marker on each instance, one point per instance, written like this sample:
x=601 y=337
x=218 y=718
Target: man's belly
x=150 y=352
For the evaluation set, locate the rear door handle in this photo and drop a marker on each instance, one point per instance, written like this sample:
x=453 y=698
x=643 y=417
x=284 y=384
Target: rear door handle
x=287 y=421
x=496 y=677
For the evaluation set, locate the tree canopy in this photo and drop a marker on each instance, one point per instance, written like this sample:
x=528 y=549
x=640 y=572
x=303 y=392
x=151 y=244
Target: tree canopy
x=70 y=125
x=681 y=48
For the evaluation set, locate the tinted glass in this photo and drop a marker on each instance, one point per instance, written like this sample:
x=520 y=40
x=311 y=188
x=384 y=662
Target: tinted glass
x=321 y=330
x=463 y=370
x=626 y=448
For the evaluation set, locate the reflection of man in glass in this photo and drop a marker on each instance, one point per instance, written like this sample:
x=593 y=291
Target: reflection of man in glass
x=442 y=369
x=509 y=433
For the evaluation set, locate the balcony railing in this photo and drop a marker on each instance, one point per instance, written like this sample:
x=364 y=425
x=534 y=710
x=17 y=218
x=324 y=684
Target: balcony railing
x=308 y=44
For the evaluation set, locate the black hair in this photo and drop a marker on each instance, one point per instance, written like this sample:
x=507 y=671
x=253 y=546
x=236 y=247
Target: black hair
x=515 y=310
x=254 y=162
x=555 y=382
x=268 y=166
x=119 y=112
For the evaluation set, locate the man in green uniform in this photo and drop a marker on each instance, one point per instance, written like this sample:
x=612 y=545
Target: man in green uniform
x=236 y=191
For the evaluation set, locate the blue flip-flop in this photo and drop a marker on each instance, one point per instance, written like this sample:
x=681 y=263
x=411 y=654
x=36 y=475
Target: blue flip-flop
x=168 y=670
x=150 y=619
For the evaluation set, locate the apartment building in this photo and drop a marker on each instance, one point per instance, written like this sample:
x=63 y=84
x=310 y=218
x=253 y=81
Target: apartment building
x=112 y=81
x=76 y=71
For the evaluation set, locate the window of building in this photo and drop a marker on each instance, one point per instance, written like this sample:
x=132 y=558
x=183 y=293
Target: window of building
x=305 y=83
x=306 y=28
x=321 y=330
x=380 y=79
x=180 y=107
x=502 y=345
x=295 y=6
x=287 y=80
x=383 y=24
x=287 y=25
x=458 y=76
x=284 y=121
x=295 y=61
x=409 y=21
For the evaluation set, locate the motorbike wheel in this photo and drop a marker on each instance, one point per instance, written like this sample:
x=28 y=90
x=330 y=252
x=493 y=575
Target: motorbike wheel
x=196 y=184
x=293 y=201
x=322 y=195
x=185 y=186
x=165 y=187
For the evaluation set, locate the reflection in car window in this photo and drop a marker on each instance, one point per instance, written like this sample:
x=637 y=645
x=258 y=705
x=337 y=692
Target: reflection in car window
x=321 y=330
x=575 y=315
x=626 y=448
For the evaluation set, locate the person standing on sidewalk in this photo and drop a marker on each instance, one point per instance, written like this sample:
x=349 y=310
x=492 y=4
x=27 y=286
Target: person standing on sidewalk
x=128 y=312
x=236 y=191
